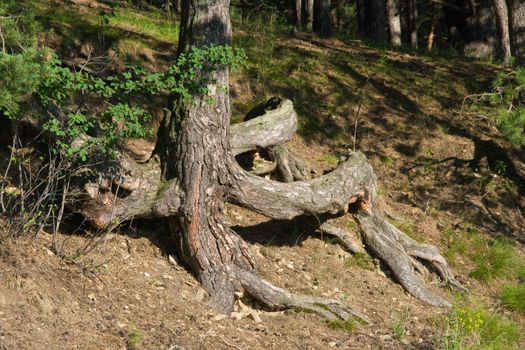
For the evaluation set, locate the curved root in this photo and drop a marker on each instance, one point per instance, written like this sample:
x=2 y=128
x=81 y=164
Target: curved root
x=400 y=253
x=276 y=298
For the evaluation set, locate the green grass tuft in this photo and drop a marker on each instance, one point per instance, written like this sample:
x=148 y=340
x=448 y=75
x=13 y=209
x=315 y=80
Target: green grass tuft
x=348 y=325
x=513 y=297
x=330 y=159
x=499 y=261
x=472 y=325
x=361 y=260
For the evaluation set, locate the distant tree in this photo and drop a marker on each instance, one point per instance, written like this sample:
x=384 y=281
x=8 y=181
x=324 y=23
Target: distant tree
x=502 y=19
x=394 y=22
x=517 y=23
x=412 y=22
x=323 y=21
x=372 y=19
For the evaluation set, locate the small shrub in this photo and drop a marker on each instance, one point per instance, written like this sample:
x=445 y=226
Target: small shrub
x=513 y=297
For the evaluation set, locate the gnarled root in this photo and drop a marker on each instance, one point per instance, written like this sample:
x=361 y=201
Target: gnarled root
x=276 y=298
x=400 y=253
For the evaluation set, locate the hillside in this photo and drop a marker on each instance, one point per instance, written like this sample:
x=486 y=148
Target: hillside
x=446 y=177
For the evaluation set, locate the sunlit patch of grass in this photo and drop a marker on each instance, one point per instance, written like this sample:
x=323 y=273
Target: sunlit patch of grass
x=471 y=325
x=386 y=160
x=151 y=24
x=348 y=325
x=361 y=260
x=513 y=297
x=409 y=228
x=498 y=261
x=401 y=320
x=330 y=159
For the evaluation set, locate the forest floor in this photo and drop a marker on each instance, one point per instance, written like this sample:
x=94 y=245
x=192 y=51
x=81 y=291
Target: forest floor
x=131 y=292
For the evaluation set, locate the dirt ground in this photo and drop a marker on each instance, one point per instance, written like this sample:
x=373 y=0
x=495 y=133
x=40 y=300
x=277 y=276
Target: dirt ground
x=130 y=292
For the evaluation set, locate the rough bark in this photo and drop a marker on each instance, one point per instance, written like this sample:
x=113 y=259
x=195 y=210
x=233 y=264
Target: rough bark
x=309 y=15
x=394 y=22
x=377 y=20
x=362 y=27
x=298 y=14
x=198 y=156
x=517 y=19
x=412 y=22
x=124 y=189
x=502 y=19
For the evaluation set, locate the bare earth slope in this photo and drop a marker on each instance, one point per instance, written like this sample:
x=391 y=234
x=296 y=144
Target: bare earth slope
x=130 y=292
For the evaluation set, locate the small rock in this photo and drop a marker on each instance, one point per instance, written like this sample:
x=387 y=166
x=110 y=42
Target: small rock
x=237 y=315
x=218 y=317
x=385 y=337
x=255 y=316
x=200 y=295
x=172 y=261
x=332 y=344
x=91 y=296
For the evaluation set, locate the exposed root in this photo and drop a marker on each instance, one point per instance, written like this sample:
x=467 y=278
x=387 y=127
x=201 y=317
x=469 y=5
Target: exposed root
x=276 y=298
x=291 y=168
x=399 y=251
x=344 y=238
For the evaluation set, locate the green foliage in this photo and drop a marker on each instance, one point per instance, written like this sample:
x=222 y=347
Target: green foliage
x=513 y=297
x=30 y=73
x=498 y=261
x=509 y=99
x=471 y=325
x=18 y=27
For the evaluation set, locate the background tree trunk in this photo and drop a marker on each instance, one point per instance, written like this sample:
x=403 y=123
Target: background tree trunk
x=298 y=14
x=339 y=9
x=362 y=27
x=322 y=23
x=376 y=18
x=309 y=15
x=502 y=19
x=412 y=22
x=394 y=22
x=517 y=19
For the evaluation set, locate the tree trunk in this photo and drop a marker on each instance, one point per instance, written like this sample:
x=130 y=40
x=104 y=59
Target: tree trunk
x=432 y=31
x=502 y=19
x=394 y=22
x=362 y=27
x=412 y=22
x=309 y=15
x=198 y=156
x=298 y=14
x=377 y=21
x=339 y=13
x=517 y=16
x=322 y=23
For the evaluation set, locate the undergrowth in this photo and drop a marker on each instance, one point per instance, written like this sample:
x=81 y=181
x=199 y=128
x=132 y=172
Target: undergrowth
x=471 y=325
x=499 y=260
